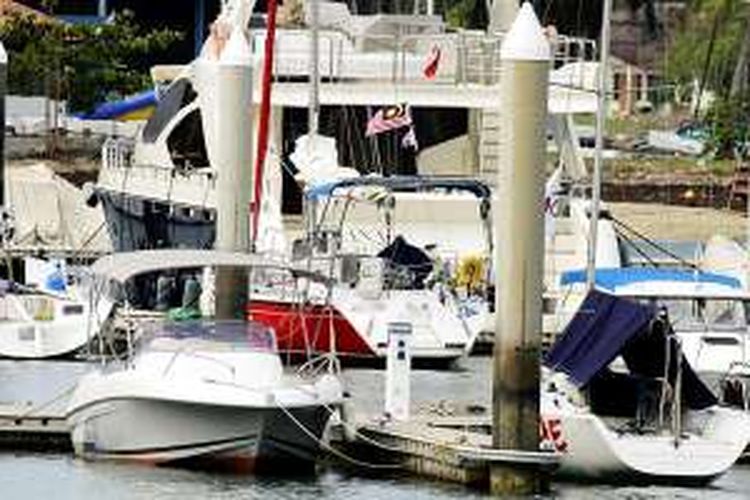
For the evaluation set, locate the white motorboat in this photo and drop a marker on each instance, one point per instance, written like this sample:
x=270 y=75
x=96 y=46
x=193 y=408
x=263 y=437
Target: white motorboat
x=200 y=392
x=621 y=402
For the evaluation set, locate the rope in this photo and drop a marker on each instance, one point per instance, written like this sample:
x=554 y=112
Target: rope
x=654 y=244
x=334 y=451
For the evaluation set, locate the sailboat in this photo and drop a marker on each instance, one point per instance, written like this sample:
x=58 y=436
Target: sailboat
x=627 y=406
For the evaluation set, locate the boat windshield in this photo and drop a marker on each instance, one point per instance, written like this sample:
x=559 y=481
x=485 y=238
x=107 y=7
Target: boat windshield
x=705 y=313
x=210 y=335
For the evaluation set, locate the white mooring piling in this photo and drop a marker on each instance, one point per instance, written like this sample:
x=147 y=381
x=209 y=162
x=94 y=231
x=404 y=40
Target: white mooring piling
x=519 y=224
x=226 y=90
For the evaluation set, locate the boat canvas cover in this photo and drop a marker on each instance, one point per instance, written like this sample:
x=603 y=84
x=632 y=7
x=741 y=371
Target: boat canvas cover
x=606 y=326
x=613 y=278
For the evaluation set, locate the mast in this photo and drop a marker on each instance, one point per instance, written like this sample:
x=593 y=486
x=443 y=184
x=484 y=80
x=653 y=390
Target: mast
x=314 y=106
x=601 y=116
x=265 y=111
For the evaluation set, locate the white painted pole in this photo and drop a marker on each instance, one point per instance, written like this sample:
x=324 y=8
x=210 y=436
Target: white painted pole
x=314 y=108
x=519 y=224
x=601 y=116
x=231 y=152
x=3 y=92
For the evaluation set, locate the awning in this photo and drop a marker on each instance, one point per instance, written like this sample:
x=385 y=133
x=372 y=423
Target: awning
x=611 y=279
x=120 y=267
x=402 y=184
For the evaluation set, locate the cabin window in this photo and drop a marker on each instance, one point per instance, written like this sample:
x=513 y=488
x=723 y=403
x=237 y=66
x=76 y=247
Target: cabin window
x=72 y=310
x=177 y=96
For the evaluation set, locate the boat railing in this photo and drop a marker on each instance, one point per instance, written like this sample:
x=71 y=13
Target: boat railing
x=463 y=57
x=117 y=153
x=191 y=353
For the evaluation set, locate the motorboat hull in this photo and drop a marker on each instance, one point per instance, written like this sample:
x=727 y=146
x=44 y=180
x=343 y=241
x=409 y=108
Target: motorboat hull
x=165 y=432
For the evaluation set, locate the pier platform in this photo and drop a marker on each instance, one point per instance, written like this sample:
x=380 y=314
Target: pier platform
x=22 y=428
x=455 y=449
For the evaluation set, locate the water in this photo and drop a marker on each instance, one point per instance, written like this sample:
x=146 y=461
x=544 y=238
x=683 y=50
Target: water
x=62 y=477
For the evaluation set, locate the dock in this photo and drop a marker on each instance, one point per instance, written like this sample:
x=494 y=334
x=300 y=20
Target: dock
x=23 y=428
x=454 y=449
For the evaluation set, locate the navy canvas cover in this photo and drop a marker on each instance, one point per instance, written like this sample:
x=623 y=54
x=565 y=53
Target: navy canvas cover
x=596 y=335
x=606 y=326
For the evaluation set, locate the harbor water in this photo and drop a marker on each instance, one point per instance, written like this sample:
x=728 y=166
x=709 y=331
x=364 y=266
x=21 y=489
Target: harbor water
x=60 y=476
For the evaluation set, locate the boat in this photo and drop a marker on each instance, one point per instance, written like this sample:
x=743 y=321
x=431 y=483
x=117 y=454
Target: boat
x=708 y=312
x=202 y=392
x=38 y=324
x=375 y=238
x=621 y=402
x=159 y=190
x=47 y=316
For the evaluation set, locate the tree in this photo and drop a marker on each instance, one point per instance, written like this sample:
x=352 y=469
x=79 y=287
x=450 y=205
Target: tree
x=83 y=64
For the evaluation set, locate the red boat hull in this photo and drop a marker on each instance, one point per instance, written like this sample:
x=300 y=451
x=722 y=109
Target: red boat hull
x=307 y=329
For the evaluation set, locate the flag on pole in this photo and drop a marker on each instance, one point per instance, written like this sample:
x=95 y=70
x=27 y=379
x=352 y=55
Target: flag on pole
x=432 y=63
x=389 y=118
x=410 y=139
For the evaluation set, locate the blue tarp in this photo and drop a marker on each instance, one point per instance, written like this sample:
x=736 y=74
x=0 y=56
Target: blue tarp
x=596 y=335
x=611 y=279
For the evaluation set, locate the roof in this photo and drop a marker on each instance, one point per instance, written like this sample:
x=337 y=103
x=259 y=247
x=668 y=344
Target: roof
x=402 y=184
x=121 y=267
x=9 y=7
x=615 y=279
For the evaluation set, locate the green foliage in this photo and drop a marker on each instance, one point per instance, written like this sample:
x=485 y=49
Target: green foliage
x=691 y=43
x=730 y=121
x=81 y=63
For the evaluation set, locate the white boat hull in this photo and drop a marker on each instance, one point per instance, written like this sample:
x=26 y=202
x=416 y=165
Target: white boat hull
x=40 y=339
x=172 y=432
x=591 y=450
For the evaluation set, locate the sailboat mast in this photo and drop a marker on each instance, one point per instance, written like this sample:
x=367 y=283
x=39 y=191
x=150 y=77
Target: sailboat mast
x=601 y=110
x=314 y=107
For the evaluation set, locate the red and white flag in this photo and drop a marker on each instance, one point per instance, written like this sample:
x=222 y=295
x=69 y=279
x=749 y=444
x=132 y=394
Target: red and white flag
x=432 y=63
x=389 y=118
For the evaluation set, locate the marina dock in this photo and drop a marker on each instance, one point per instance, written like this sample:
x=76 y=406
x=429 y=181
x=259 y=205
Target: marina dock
x=23 y=428
x=454 y=449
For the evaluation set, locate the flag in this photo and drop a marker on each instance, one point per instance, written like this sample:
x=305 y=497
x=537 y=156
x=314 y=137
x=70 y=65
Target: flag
x=410 y=139
x=431 y=63
x=389 y=118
